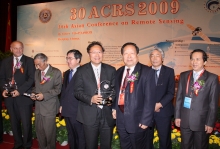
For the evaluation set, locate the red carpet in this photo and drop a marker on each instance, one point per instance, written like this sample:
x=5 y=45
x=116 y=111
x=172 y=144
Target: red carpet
x=8 y=143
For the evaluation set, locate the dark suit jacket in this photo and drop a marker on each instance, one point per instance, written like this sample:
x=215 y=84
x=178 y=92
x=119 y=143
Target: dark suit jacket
x=139 y=105
x=165 y=91
x=85 y=87
x=24 y=80
x=203 y=110
x=68 y=101
x=49 y=106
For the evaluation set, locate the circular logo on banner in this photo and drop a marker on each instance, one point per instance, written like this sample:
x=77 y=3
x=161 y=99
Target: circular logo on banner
x=212 y=6
x=45 y=15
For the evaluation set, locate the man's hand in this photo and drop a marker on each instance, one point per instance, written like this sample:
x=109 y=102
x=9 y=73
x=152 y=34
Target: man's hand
x=143 y=126
x=15 y=93
x=96 y=99
x=208 y=129
x=177 y=122
x=33 y=96
x=110 y=98
x=60 y=109
x=158 y=106
x=39 y=96
x=114 y=114
x=4 y=93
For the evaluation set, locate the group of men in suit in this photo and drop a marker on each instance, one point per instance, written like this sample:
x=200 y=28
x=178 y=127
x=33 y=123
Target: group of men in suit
x=141 y=99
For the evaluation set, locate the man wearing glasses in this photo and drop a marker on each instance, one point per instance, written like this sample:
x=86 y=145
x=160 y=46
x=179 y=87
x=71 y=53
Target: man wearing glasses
x=69 y=104
x=97 y=119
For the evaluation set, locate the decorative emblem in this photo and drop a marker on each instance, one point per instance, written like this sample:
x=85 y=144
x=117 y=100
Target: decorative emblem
x=106 y=86
x=212 y=6
x=45 y=15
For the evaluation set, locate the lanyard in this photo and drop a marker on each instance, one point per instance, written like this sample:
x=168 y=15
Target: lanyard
x=189 y=76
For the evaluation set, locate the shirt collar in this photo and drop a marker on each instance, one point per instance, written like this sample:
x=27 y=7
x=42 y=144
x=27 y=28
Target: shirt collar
x=45 y=70
x=198 y=73
x=131 y=68
x=19 y=58
x=96 y=67
x=75 y=69
x=157 y=68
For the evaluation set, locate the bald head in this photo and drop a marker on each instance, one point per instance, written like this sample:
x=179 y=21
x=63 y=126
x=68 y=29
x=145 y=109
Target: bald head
x=17 y=48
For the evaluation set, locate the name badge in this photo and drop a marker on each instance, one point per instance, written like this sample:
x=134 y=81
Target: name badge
x=121 y=99
x=187 y=102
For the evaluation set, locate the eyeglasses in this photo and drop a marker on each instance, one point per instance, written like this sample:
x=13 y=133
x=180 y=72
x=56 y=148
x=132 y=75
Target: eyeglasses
x=69 y=58
x=96 y=52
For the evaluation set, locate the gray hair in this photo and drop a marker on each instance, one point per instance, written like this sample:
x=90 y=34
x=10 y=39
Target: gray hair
x=159 y=50
x=41 y=56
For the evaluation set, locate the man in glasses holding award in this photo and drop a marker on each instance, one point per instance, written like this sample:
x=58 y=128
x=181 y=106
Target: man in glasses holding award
x=94 y=88
x=16 y=78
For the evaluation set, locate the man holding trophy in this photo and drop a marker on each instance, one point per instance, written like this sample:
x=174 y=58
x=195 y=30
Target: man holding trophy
x=94 y=88
x=16 y=78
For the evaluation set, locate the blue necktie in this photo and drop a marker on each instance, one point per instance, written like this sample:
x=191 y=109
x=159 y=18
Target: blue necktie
x=70 y=75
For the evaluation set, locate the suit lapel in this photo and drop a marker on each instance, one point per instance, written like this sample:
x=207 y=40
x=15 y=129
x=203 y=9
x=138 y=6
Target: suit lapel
x=190 y=90
x=162 y=72
x=136 y=69
x=103 y=75
x=67 y=79
x=50 y=70
x=204 y=78
x=120 y=77
x=91 y=73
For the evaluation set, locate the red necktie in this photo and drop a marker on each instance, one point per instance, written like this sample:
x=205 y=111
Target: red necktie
x=121 y=106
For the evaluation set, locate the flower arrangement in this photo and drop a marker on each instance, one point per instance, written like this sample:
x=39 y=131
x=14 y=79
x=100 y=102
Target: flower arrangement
x=6 y=121
x=115 y=139
x=197 y=86
x=46 y=78
x=18 y=65
x=214 y=139
x=131 y=79
x=61 y=130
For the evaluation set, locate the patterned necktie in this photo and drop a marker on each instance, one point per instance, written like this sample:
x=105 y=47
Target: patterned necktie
x=125 y=80
x=70 y=75
x=42 y=75
x=15 y=66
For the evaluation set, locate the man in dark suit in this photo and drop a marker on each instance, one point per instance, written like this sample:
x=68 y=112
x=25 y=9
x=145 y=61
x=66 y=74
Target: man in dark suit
x=196 y=103
x=165 y=88
x=20 y=69
x=69 y=104
x=97 y=119
x=134 y=104
x=48 y=84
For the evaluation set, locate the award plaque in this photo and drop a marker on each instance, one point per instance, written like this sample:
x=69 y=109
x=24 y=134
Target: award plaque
x=10 y=87
x=106 y=91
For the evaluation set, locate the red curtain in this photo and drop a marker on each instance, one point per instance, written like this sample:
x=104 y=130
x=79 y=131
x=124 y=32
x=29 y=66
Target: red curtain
x=8 y=30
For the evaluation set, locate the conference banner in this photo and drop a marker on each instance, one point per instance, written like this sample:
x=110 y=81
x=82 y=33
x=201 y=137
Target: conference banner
x=177 y=27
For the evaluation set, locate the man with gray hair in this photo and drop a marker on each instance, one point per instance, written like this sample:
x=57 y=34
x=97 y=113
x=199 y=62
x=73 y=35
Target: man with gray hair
x=165 y=88
x=48 y=83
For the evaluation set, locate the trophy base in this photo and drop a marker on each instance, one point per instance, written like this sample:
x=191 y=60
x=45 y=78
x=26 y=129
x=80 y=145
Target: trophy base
x=105 y=102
